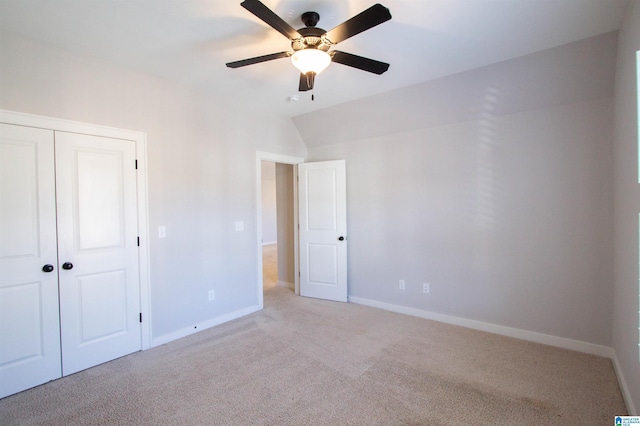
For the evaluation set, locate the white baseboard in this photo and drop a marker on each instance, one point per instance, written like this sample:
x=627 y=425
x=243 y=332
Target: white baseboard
x=169 y=337
x=269 y=243
x=531 y=336
x=623 y=387
x=286 y=284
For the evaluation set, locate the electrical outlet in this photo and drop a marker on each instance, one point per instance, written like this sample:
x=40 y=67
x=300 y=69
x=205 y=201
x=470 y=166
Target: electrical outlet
x=425 y=287
x=212 y=295
x=162 y=231
x=401 y=284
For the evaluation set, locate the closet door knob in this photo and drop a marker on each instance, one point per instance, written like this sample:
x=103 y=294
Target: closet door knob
x=67 y=265
x=340 y=238
x=47 y=268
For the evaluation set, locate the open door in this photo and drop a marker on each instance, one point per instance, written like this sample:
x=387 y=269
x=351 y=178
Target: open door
x=322 y=203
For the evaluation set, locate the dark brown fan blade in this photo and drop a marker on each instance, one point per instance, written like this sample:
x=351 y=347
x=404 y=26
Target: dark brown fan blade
x=375 y=15
x=268 y=16
x=359 y=62
x=306 y=81
x=258 y=59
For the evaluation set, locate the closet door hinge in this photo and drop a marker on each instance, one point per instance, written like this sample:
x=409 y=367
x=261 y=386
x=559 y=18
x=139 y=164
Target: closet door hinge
x=140 y=316
x=136 y=164
x=138 y=241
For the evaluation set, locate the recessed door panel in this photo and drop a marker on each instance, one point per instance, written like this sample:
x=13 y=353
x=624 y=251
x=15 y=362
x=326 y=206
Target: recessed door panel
x=103 y=301
x=21 y=324
x=97 y=224
x=321 y=199
x=323 y=263
x=19 y=189
x=29 y=321
x=99 y=188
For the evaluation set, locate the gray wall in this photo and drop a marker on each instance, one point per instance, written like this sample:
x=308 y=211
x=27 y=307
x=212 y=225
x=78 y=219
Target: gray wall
x=492 y=185
x=201 y=170
x=627 y=205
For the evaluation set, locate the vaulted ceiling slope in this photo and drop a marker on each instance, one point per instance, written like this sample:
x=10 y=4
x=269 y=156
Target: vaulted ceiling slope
x=583 y=70
x=190 y=40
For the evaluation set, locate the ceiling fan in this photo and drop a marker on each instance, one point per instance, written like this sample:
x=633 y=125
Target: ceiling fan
x=311 y=44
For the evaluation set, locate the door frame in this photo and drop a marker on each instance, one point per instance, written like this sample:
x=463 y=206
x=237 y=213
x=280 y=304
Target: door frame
x=284 y=159
x=140 y=139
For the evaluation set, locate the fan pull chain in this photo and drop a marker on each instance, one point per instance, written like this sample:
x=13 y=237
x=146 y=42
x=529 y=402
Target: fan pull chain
x=310 y=81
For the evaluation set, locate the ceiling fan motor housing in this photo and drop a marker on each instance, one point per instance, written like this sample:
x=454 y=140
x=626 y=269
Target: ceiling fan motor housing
x=310 y=19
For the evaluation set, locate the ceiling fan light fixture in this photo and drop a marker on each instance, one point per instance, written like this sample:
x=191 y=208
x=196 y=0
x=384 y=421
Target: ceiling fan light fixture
x=311 y=60
x=310 y=44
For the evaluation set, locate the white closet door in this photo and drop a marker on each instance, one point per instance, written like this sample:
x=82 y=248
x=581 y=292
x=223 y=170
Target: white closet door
x=29 y=322
x=98 y=252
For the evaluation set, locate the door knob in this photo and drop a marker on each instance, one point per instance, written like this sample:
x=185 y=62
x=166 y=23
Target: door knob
x=47 y=268
x=340 y=238
x=67 y=265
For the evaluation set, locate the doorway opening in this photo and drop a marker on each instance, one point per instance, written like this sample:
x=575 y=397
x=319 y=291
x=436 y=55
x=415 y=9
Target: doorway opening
x=277 y=232
x=277 y=225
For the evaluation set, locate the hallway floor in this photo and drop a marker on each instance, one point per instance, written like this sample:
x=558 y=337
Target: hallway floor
x=269 y=266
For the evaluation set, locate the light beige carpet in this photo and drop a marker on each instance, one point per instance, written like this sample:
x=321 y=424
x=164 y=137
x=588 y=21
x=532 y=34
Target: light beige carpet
x=303 y=361
x=269 y=266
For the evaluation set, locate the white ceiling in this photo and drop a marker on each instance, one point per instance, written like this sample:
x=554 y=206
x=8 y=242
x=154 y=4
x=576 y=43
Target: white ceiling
x=191 y=40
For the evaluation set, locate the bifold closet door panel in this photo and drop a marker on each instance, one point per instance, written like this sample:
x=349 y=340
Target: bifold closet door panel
x=29 y=314
x=98 y=251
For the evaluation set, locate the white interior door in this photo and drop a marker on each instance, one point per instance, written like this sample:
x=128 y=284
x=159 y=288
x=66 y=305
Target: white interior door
x=323 y=230
x=98 y=231
x=29 y=322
